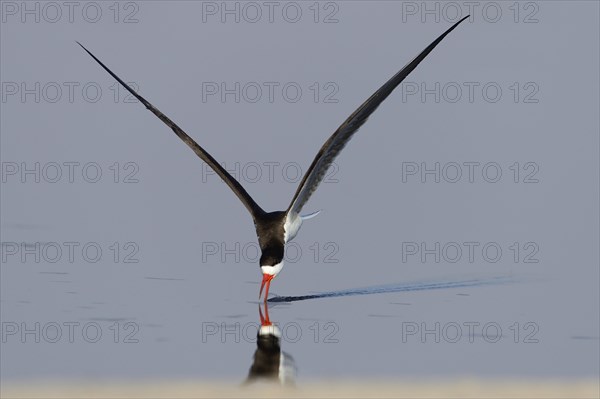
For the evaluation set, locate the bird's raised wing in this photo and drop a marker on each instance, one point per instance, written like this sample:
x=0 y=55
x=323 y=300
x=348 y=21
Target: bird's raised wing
x=344 y=133
x=237 y=188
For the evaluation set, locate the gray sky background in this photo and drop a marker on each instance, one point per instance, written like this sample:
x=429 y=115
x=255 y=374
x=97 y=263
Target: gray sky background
x=544 y=58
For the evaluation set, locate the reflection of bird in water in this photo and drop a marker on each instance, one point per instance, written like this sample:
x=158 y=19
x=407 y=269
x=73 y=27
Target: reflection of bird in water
x=275 y=229
x=270 y=363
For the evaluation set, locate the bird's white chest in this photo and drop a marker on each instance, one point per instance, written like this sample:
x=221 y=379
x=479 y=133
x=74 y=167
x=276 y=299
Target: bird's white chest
x=292 y=224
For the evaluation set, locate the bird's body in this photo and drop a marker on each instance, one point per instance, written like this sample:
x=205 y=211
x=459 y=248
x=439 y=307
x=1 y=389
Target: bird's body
x=271 y=233
x=275 y=229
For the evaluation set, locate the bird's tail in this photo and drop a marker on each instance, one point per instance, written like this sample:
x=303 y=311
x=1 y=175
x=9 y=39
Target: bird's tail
x=310 y=215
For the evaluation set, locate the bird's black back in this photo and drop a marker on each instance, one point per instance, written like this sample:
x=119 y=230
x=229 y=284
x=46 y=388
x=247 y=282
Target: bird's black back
x=270 y=231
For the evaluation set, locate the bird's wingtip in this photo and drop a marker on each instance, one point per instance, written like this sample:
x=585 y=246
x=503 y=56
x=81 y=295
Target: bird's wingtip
x=81 y=45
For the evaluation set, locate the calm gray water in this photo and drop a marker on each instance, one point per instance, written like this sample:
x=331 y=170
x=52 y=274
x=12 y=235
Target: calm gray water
x=459 y=232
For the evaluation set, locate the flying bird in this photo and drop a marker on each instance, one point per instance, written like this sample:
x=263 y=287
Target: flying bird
x=275 y=229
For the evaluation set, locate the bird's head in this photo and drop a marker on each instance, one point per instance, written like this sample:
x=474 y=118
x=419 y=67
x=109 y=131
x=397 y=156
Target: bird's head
x=271 y=263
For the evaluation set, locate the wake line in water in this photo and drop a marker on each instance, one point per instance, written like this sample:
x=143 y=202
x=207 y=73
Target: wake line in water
x=400 y=287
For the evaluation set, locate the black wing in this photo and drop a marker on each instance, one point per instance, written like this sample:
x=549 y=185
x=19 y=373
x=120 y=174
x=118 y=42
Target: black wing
x=237 y=188
x=338 y=140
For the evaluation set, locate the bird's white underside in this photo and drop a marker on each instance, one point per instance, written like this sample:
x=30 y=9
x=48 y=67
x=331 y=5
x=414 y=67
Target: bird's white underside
x=272 y=270
x=293 y=222
x=270 y=330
